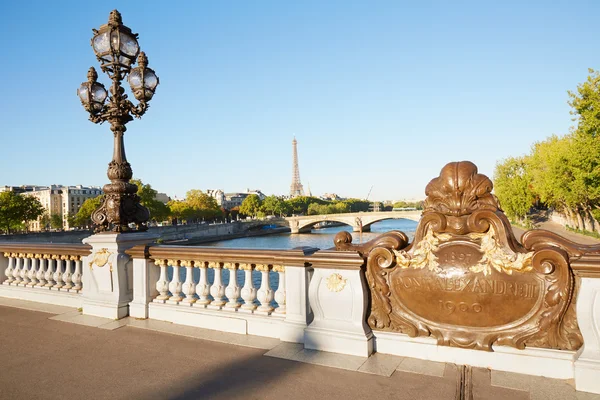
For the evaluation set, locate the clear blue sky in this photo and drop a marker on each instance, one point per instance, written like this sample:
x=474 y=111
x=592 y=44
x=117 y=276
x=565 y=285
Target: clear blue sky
x=377 y=93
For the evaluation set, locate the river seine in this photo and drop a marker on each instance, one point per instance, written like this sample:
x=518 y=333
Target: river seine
x=320 y=238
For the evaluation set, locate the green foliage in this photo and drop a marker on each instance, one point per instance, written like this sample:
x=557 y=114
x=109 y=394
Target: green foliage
x=299 y=205
x=561 y=172
x=273 y=205
x=196 y=206
x=45 y=221
x=83 y=218
x=56 y=221
x=586 y=105
x=251 y=205
x=408 y=204
x=357 y=205
x=16 y=210
x=333 y=208
x=158 y=210
x=513 y=187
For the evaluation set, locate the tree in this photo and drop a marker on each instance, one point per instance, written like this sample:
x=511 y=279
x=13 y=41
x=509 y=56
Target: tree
x=273 y=205
x=17 y=210
x=45 y=221
x=300 y=204
x=197 y=205
x=158 y=210
x=56 y=221
x=586 y=105
x=564 y=172
x=179 y=209
x=357 y=205
x=84 y=215
x=512 y=186
x=251 y=205
x=202 y=205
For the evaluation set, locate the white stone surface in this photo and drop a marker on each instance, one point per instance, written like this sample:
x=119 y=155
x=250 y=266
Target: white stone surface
x=339 y=315
x=298 y=313
x=108 y=289
x=224 y=320
x=42 y=295
x=587 y=364
x=541 y=362
x=145 y=276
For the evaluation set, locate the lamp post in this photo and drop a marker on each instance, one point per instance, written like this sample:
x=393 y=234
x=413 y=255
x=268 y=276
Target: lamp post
x=117 y=49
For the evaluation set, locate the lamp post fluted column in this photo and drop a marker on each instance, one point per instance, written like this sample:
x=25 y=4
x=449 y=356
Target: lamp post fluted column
x=117 y=50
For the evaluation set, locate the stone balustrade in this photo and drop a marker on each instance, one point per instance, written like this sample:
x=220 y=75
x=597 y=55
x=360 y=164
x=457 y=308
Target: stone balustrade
x=40 y=272
x=241 y=291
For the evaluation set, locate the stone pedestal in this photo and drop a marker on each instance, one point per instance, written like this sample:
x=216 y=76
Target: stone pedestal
x=297 y=314
x=108 y=273
x=587 y=365
x=338 y=298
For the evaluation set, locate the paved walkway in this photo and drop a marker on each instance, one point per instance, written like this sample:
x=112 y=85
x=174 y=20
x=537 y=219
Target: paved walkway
x=58 y=354
x=562 y=231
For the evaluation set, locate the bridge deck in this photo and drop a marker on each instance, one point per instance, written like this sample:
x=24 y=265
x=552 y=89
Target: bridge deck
x=55 y=360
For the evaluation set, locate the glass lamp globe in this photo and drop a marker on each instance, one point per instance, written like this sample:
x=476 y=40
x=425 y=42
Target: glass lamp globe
x=115 y=45
x=91 y=93
x=143 y=80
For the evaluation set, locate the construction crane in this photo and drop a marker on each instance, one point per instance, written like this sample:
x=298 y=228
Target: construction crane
x=368 y=194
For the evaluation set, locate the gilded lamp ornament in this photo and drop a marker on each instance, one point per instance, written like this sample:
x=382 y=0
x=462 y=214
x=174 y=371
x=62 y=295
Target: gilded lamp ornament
x=117 y=50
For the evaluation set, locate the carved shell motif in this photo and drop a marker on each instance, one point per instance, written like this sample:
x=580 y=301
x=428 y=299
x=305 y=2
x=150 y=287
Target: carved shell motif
x=336 y=283
x=460 y=190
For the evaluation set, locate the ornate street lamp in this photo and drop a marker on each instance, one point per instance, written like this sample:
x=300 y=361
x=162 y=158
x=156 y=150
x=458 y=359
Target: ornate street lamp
x=117 y=49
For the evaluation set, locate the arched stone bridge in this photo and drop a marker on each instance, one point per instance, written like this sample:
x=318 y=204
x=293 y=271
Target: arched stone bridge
x=360 y=221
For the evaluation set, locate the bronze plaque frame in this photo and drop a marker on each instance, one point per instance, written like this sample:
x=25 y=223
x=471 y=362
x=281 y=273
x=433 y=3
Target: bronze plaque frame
x=465 y=279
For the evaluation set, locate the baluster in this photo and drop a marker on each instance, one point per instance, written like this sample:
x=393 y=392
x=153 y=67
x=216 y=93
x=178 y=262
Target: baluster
x=9 y=270
x=175 y=285
x=265 y=293
x=76 y=278
x=162 y=285
x=58 y=272
x=280 y=292
x=41 y=272
x=217 y=290
x=17 y=269
x=25 y=270
x=67 y=276
x=49 y=275
x=203 y=288
x=33 y=270
x=189 y=287
x=248 y=291
x=233 y=288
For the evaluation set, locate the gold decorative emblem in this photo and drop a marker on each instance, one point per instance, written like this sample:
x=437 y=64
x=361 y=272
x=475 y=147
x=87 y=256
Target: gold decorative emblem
x=101 y=258
x=335 y=283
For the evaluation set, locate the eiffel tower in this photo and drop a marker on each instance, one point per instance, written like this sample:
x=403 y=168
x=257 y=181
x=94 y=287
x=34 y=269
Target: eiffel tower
x=296 y=187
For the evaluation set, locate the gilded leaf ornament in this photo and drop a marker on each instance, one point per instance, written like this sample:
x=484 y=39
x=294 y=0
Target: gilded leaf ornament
x=424 y=254
x=497 y=257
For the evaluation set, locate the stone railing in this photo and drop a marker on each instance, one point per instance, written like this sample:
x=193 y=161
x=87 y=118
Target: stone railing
x=239 y=291
x=46 y=273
